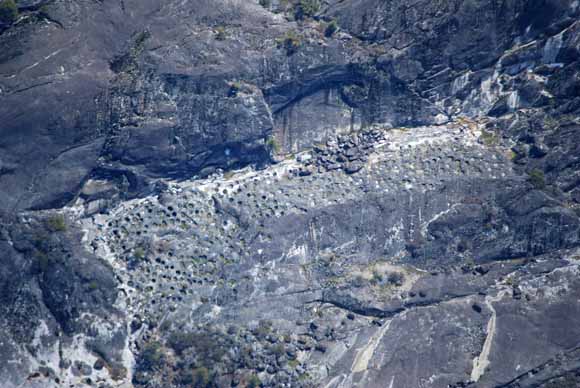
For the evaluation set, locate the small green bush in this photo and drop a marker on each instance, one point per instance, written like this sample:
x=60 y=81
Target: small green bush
x=200 y=378
x=254 y=382
x=43 y=11
x=139 y=253
x=266 y=3
x=307 y=8
x=377 y=277
x=43 y=261
x=283 y=5
x=331 y=29
x=221 y=33
x=8 y=11
x=273 y=145
x=396 y=278
x=56 y=223
x=93 y=285
x=291 y=42
x=537 y=179
x=489 y=138
x=212 y=345
x=152 y=357
x=278 y=350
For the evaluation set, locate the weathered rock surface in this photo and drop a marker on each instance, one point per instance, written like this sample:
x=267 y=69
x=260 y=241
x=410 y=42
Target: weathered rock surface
x=222 y=193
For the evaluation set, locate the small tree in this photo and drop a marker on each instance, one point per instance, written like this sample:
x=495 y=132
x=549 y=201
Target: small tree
x=306 y=9
x=139 y=253
x=537 y=179
x=254 y=382
x=290 y=42
x=56 y=223
x=201 y=378
x=8 y=11
x=152 y=356
x=331 y=28
x=273 y=145
x=221 y=33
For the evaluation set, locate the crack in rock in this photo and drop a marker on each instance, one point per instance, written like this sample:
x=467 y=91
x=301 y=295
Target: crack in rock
x=481 y=362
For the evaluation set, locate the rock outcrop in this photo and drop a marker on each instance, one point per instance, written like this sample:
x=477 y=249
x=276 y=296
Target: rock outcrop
x=357 y=193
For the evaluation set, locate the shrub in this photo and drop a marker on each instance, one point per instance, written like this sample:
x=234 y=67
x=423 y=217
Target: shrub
x=221 y=33
x=254 y=382
x=290 y=42
x=396 y=278
x=56 y=223
x=181 y=341
x=537 y=179
x=377 y=277
x=43 y=11
x=489 y=138
x=307 y=8
x=139 y=253
x=278 y=350
x=117 y=372
x=213 y=346
x=266 y=3
x=331 y=28
x=43 y=261
x=93 y=285
x=200 y=378
x=283 y=5
x=8 y=11
x=273 y=145
x=264 y=328
x=235 y=88
x=152 y=357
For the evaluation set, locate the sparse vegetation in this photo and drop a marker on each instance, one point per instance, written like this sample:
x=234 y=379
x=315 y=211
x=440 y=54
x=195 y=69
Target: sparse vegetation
x=291 y=42
x=266 y=3
x=56 y=223
x=489 y=138
x=200 y=377
x=8 y=11
x=117 y=372
x=235 y=88
x=152 y=357
x=139 y=253
x=43 y=11
x=43 y=262
x=396 y=278
x=273 y=145
x=264 y=328
x=550 y=122
x=93 y=285
x=278 y=350
x=377 y=277
x=127 y=63
x=283 y=5
x=213 y=345
x=537 y=179
x=254 y=382
x=331 y=28
x=306 y=9
x=221 y=33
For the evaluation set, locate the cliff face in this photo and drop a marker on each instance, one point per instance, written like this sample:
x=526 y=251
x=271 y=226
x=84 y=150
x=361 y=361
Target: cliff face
x=290 y=193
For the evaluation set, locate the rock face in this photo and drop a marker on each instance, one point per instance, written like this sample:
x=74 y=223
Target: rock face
x=353 y=193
